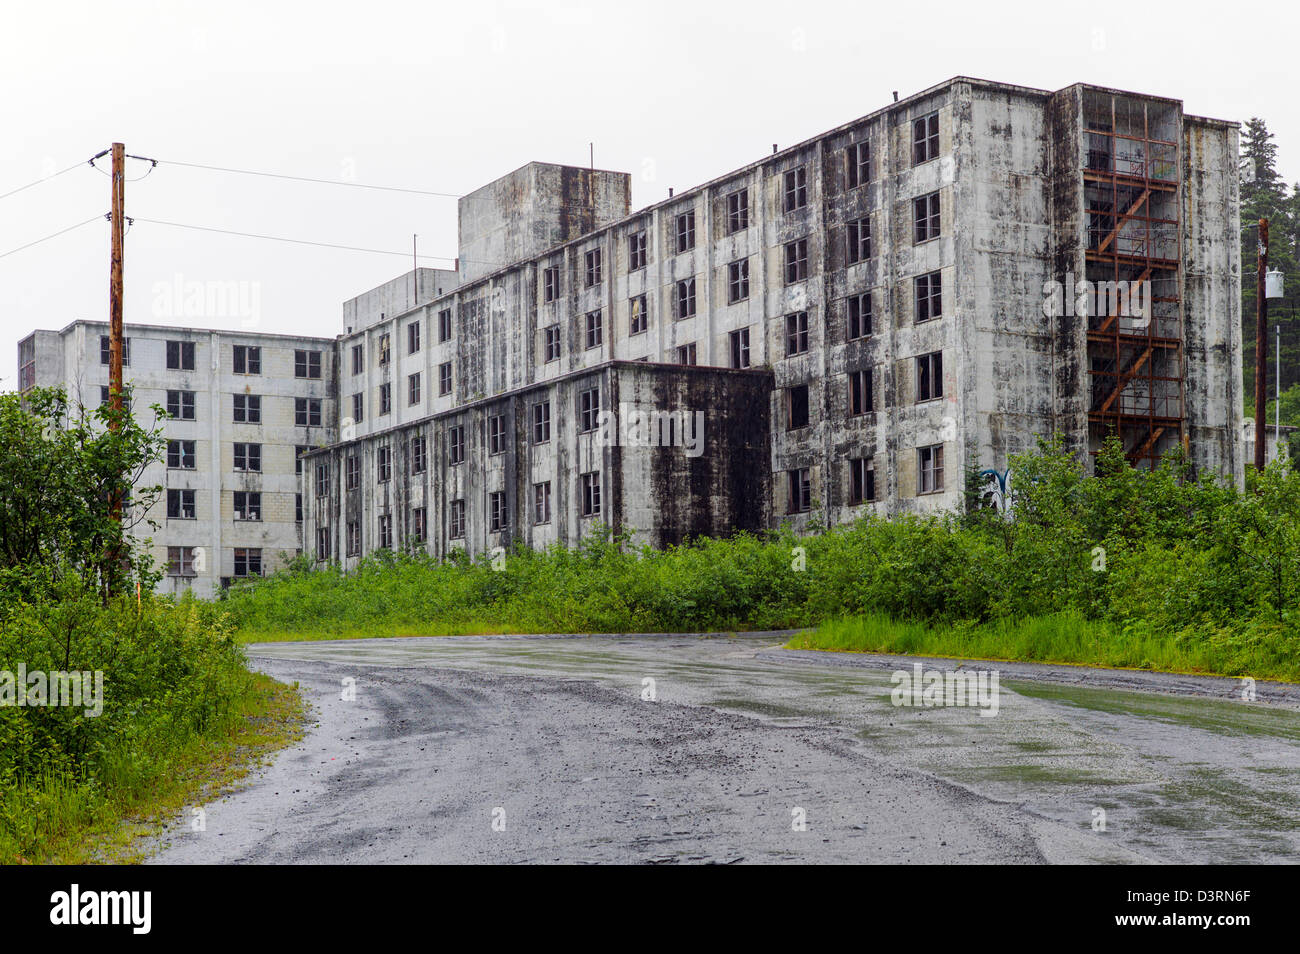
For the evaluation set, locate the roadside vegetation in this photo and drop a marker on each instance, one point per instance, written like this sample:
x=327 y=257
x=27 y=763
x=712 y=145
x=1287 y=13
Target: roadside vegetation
x=164 y=710
x=1129 y=568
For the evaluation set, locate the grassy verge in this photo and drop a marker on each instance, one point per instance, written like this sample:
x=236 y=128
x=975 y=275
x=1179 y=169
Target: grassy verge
x=1056 y=638
x=81 y=825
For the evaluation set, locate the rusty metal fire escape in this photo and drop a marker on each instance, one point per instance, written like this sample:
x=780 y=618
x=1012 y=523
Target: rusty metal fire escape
x=1133 y=257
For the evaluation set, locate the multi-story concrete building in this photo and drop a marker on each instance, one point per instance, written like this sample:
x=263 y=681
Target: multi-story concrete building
x=242 y=407
x=925 y=289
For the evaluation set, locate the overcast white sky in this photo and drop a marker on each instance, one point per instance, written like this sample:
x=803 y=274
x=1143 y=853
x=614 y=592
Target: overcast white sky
x=446 y=97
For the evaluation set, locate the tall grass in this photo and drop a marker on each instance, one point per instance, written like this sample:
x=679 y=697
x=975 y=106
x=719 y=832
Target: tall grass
x=174 y=682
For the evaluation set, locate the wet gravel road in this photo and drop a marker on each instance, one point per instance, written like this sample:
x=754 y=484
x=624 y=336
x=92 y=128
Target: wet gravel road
x=688 y=749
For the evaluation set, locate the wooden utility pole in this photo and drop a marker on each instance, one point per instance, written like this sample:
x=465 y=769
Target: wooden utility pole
x=115 y=332
x=1261 y=348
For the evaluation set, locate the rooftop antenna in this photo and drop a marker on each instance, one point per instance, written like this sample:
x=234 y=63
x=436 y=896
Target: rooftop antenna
x=415 y=257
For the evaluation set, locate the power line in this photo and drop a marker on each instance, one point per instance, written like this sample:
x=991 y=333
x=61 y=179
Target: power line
x=55 y=235
x=53 y=175
x=279 y=238
x=335 y=182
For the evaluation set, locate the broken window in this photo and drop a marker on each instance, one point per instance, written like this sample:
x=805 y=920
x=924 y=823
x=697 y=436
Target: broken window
x=542 y=502
x=444 y=378
x=929 y=296
x=929 y=376
x=552 y=343
x=385 y=532
x=248 y=561
x=248 y=505
x=322 y=543
x=636 y=251
x=925 y=138
x=456 y=519
x=737 y=211
x=248 y=457
x=591 y=494
x=859 y=164
x=686 y=354
x=413 y=337
x=862 y=480
x=180 y=356
x=456 y=444
x=247 y=359
x=796 y=401
x=925 y=218
x=353 y=538
x=799 y=493
x=413 y=388
x=929 y=472
x=796 y=333
x=496 y=434
x=180 y=561
x=180 y=505
x=858 y=236
x=358 y=406
x=307 y=412
x=444 y=325
x=180 y=455
x=248 y=409
x=419 y=524
x=180 y=405
x=306 y=364
x=384 y=350
x=593 y=267
x=740 y=348
x=419 y=454
x=738 y=281
x=322 y=480
x=859 y=313
x=550 y=284
x=796 y=190
x=640 y=321
x=497 y=519
x=686 y=298
x=385 y=398
x=588 y=409
x=859 y=392
x=593 y=329
x=384 y=460
x=351 y=472
x=358 y=359
x=685 y=231
x=541 y=422
x=796 y=261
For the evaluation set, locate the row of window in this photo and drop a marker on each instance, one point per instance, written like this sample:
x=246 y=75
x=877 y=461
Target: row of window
x=929 y=387
x=183 y=562
x=182 y=455
x=247 y=505
x=413 y=332
x=928 y=290
x=246 y=359
x=498 y=517
x=794 y=196
x=862 y=479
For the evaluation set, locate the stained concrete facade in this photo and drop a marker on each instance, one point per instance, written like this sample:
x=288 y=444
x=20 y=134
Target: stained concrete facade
x=895 y=300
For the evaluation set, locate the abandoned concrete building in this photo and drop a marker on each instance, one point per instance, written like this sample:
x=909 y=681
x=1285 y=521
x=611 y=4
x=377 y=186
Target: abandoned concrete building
x=841 y=327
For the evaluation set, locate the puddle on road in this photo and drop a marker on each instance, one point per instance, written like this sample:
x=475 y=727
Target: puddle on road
x=1187 y=779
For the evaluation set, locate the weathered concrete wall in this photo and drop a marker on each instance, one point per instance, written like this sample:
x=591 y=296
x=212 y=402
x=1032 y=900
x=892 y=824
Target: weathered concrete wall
x=1212 y=296
x=534 y=208
x=661 y=494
